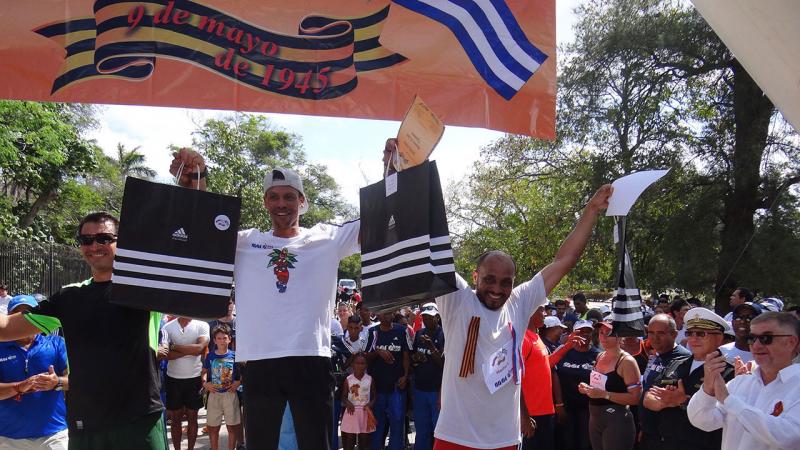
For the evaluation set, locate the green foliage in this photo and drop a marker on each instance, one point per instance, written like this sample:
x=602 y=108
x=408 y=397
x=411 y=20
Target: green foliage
x=42 y=156
x=239 y=150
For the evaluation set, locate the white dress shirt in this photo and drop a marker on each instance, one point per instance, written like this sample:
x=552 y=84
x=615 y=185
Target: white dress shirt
x=751 y=417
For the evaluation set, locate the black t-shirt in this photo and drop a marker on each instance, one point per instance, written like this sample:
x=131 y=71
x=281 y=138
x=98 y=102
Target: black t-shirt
x=675 y=428
x=396 y=341
x=574 y=368
x=113 y=375
x=427 y=373
x=649 y=420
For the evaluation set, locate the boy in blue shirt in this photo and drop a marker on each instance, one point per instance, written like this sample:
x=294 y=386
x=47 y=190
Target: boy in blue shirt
x=221 y=379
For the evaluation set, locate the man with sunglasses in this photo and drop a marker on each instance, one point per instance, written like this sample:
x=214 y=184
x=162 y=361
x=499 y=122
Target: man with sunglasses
x=682 y=377
x=739 y=348
x=114 y=399
x=762 y=410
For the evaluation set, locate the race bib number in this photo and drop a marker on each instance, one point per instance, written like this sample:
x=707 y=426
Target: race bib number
x=498 y=370
x=597 y=380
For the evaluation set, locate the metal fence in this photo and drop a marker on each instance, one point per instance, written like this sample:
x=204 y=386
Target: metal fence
x=29 y=267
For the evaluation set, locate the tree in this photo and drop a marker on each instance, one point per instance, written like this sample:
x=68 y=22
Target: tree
x=645 y=85
x=242 y=147
x=131 y=162
x=41 y=149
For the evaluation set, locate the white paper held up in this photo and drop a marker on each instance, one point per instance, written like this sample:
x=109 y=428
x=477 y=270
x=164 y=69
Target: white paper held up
x=628 y=188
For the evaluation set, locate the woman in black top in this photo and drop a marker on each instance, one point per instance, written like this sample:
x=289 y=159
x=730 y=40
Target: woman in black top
x=614 y=386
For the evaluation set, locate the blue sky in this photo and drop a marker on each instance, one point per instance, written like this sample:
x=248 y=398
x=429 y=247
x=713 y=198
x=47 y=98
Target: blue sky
x=351 y=148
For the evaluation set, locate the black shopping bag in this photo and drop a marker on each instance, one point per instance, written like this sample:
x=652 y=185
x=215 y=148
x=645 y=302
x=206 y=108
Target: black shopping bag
x=406 y=256
x=627 y=304
x=176 y=250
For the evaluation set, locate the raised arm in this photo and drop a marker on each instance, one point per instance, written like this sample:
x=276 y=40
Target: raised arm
x=15 y=327
x=571 y=249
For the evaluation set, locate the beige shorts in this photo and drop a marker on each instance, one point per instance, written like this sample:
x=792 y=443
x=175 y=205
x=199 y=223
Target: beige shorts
x=223 y=404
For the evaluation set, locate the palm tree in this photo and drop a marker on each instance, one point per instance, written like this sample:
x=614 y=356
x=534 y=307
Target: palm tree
x=131 y=162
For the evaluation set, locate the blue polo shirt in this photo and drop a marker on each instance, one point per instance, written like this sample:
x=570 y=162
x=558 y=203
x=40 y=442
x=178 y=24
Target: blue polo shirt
x=37 y=414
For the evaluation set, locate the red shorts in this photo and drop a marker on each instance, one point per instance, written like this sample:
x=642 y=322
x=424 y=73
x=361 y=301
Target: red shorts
x=439 y=444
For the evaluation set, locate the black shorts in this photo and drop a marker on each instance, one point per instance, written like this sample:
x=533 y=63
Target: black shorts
x=183 y=393
x=305 y=384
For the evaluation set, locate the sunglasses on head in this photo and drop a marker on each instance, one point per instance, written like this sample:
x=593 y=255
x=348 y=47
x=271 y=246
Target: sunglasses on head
x=700 y=334
x=100 y=238
x=764 y=339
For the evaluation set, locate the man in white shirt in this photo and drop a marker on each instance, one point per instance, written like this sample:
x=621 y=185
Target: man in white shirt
x=187 y=339
x=480 y=396
x=285 y=280
x=741 y=318
x=762 y=410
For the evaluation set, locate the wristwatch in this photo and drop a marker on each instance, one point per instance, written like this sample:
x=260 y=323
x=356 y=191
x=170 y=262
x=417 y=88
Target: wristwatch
x=59 y=385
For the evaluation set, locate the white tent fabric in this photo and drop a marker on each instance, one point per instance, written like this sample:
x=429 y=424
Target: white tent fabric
x=764 y=35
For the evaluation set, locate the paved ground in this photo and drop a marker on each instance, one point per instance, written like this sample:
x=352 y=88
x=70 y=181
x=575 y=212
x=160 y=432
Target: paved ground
x=204 y=444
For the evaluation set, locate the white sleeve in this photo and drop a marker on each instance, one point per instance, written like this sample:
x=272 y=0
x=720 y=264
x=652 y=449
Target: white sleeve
x=336 y=328
x=782 y=431
x=205 y=329
x=346 y=238
x=530 y=295
x=444 y=303
x=704 y=413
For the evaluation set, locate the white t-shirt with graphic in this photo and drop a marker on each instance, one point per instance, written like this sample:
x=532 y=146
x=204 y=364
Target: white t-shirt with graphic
x=188 y=366
x=285 y=288
x=471 y=415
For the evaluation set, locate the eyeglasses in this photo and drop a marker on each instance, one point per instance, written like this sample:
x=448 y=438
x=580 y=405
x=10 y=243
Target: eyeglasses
x=700 y=334
x=764 y=339
x=100 y=238
x=744 y=318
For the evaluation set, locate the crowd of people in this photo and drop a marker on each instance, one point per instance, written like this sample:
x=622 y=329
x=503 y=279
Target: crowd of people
x=492 y=365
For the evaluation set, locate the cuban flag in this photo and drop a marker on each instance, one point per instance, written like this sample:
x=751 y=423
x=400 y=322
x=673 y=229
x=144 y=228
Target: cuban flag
x=628 y=319
x=491 y=37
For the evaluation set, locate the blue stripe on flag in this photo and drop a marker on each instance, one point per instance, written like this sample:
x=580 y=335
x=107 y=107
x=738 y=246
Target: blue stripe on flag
x=514 y=70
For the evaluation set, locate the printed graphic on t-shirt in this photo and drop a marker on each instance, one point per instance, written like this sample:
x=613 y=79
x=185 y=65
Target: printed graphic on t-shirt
x=354 y=389
x=222 y=371
x=281 y=261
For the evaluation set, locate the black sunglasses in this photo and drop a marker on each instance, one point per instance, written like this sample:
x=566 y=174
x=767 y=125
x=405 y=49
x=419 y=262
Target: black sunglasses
x=764 y=339
x=100 y=238
x=700 y=334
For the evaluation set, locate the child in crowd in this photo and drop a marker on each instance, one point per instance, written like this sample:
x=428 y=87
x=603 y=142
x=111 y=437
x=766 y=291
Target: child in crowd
x=220 y=380
x=358 y=396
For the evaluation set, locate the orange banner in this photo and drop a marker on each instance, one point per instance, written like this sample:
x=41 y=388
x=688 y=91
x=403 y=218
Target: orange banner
x=483 y=63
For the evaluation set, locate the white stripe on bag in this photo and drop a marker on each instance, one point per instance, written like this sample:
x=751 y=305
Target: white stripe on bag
x=408 y=271
x=173 y=259
x=626 y=317
x=141 y=282
x=440 y=240
x=627 y=304
x=172 y=272
x=369 y=268
x=424 y=239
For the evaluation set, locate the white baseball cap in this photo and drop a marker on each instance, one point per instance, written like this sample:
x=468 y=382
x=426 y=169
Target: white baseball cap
x=280 y=176
x=583 y=324
x=553 y=321
x=430 y=309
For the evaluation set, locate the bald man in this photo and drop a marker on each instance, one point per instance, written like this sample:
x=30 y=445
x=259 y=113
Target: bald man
x=485 y=328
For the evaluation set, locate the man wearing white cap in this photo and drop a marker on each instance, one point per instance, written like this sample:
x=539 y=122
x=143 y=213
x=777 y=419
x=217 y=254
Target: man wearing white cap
x=285 y=283
x=428 y=363
x=553 y=329
x=682 y=378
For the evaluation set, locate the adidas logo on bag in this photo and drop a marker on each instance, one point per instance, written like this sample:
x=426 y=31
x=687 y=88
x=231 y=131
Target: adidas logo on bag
x=180 y=235
x=391 y=222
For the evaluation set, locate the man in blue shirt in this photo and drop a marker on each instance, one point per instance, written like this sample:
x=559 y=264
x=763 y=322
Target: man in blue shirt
x=428 y=363
x=388 y=347
x=32 y=409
